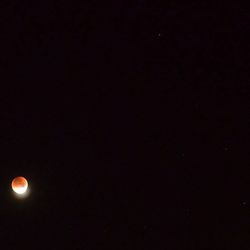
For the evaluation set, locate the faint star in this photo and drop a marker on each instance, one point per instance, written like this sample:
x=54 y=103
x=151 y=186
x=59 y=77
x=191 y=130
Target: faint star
x=243 y=203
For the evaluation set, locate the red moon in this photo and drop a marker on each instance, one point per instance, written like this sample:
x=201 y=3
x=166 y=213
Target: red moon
x=19 y=185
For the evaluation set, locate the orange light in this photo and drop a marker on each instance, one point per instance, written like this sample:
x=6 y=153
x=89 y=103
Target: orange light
x=19 y=185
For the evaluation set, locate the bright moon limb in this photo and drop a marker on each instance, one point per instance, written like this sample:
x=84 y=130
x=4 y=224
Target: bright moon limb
x=19 y=185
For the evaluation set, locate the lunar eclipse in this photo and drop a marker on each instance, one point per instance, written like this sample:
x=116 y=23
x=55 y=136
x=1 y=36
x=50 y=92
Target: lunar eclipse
x=19 y=185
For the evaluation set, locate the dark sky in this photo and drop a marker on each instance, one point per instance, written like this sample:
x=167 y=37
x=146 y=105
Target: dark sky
x=130 y=120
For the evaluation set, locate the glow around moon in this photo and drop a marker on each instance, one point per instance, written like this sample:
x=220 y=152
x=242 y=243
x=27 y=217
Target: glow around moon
x=19 y=185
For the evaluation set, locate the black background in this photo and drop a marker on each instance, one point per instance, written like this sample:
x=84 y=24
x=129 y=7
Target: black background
x=130 y=121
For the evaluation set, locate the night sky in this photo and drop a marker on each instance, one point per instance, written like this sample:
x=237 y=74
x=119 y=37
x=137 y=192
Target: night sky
x=130 y=120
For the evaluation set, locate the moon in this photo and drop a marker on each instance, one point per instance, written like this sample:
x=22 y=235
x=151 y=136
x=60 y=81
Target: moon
x=19 y=185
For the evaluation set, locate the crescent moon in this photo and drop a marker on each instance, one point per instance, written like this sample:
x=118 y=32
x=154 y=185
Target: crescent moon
x=19 y=185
